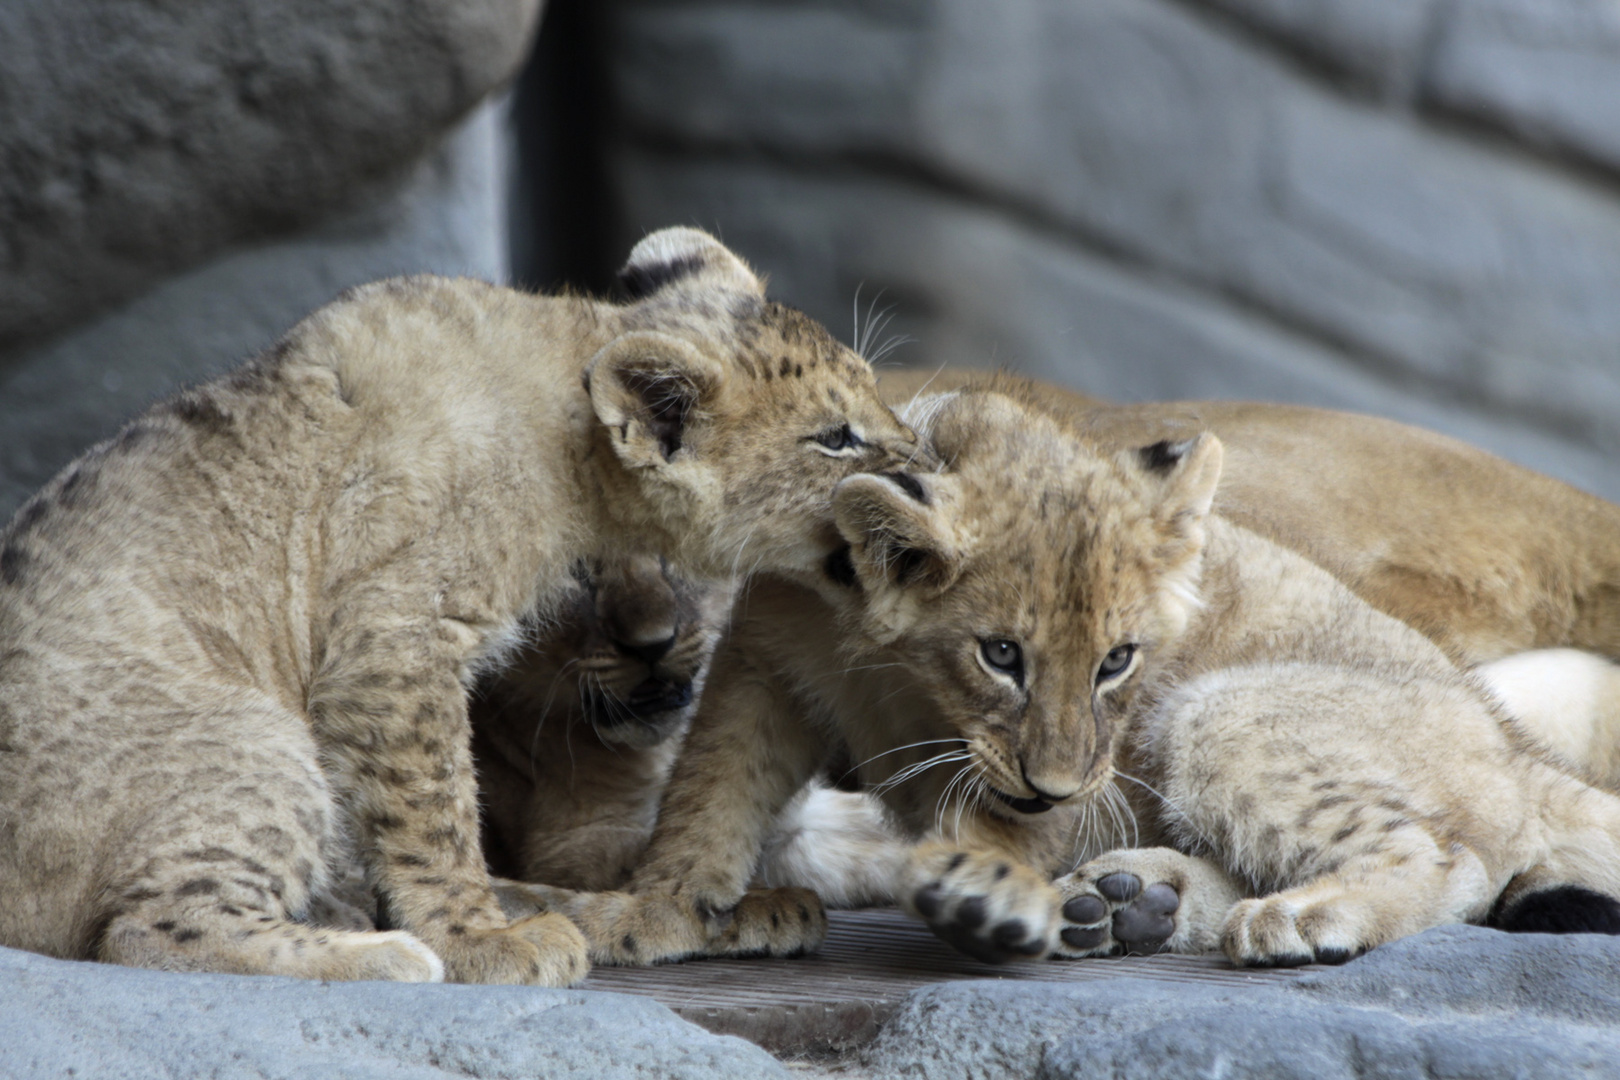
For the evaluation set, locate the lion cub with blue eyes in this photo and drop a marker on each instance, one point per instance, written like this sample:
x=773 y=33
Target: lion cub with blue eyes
x=1043 y=650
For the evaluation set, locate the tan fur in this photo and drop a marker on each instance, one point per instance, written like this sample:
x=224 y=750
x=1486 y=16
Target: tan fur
x=235 y=640
x=1071 y=548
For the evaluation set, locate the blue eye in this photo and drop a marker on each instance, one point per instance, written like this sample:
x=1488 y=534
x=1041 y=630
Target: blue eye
x=1003 y=656
x=839 y=438
x=1117 y=660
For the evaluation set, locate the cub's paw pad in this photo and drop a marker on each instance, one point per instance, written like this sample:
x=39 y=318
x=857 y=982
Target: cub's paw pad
x=984 y=905
x=1115 y=914
x=772 y=922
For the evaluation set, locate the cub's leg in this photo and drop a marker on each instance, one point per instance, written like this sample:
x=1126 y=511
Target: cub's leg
x=1375 y=801
x=1413 y=884
x=983 y=902
x=743 y=760
x=390 y=711
x=220 y=870
x=1144 y=900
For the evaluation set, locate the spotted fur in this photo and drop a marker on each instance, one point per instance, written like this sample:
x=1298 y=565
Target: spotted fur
x=236 y=639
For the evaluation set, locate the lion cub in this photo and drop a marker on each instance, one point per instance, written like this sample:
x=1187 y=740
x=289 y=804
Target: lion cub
x=236 y=640
x=574 y=739
x=1038 y=624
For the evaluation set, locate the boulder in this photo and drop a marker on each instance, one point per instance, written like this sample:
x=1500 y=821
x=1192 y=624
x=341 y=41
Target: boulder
x=1458 y=1001
x=142 y=138
x=60 y=1018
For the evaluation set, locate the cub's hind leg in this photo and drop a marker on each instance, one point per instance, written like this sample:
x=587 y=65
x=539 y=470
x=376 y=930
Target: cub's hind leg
x=1361 y=803
x=1369 y=899
x=217 y=870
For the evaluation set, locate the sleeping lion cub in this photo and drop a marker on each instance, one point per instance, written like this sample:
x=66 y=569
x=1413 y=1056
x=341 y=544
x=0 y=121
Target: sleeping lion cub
x=1045 y=650
x=235 y=640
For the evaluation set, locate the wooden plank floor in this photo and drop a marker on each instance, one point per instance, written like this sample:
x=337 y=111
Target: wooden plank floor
x=837 y=1000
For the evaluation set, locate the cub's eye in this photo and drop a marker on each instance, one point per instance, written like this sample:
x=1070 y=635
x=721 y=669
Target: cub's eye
x=1003 y=657
x=1117 y=660
x=839 y=439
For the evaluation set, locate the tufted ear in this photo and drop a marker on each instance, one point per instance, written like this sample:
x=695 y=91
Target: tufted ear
x=1187 y=471
x=681 y=254
x=898 y=539
x=646 y=388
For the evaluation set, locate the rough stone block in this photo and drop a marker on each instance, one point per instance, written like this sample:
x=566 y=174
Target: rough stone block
x=58 y=397
x=1459 y=1001
x=60 y=1018
x=141 y=138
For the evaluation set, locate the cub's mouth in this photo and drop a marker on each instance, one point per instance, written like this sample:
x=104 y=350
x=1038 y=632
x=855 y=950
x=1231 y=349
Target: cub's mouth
x=651 y=705
x=1023 y=806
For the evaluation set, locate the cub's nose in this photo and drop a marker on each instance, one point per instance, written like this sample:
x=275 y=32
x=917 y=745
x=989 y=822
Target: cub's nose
x=1049 y=789
x=648 y=652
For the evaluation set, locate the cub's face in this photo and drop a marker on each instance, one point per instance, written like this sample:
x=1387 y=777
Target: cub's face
x=625 y=655
x=1025 y=585
x=737 y=416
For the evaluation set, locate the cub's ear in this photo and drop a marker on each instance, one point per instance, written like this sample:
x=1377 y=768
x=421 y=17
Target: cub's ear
x=897 y=538
x=1189 y=470
x=681 y=254
x=646 y=388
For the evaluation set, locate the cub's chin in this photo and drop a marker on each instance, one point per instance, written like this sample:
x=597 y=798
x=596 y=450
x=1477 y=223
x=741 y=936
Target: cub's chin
x=652 y=712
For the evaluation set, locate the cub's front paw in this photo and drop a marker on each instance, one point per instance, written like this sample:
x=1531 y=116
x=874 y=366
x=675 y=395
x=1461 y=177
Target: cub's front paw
x=1143 y=901
x=773 y=922
x=982 y=903
x=543 y=950
x=657 y=927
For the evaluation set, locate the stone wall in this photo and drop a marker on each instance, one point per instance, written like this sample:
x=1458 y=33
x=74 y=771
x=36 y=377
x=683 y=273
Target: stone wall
x=1408 y=207
x=179 y=184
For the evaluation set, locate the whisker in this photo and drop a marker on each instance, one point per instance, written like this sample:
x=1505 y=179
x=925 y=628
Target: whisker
x=896 y=750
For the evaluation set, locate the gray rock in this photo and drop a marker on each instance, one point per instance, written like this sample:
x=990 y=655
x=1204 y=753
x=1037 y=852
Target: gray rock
x=1453 y=1002
x=141 y=138
x=1380 y=44
x=1169 y=140
x=60 y=1018
x=56 y=398
x=1546 y=70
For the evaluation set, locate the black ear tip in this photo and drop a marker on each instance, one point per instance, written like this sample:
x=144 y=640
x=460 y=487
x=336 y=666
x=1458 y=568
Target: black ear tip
x=1567 y=909
x=1165 y=454
x=640 y=280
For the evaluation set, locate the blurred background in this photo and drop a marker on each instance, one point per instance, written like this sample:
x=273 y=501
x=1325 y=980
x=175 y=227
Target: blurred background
x=1404 y=207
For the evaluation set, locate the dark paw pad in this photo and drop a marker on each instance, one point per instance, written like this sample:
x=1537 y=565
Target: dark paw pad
x=927 y=900
x=1010 y=933
x=1333 y=956
x=972 y=912
x=1120 y=887
x=1085 y=910
x=1076 y=937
